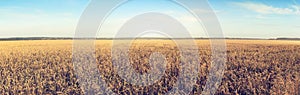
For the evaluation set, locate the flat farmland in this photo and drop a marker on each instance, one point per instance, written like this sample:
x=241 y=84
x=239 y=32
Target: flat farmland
x=253 y=67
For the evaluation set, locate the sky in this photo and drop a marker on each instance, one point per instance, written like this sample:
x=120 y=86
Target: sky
x=238 y=18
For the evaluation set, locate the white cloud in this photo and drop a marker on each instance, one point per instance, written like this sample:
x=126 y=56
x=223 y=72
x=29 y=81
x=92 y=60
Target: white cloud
x=260 y=17
x=204 y=11
x=266 y=9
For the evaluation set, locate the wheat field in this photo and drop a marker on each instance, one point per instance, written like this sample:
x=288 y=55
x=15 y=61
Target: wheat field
x=253 y=67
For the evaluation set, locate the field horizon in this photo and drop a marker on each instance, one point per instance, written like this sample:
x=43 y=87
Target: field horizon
x=155 y=38
x=150 y=47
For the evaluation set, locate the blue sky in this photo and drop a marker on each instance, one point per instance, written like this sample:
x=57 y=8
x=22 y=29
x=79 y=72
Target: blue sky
x=238 y=18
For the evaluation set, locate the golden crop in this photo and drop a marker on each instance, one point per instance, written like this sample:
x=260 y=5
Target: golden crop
x=253 y=67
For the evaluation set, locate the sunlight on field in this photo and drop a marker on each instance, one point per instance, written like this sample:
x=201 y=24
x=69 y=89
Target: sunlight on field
x=253 y=67
x=271 y=42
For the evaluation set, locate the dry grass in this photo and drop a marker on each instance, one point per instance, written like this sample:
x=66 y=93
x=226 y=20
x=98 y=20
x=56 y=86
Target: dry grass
x=253 y=67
